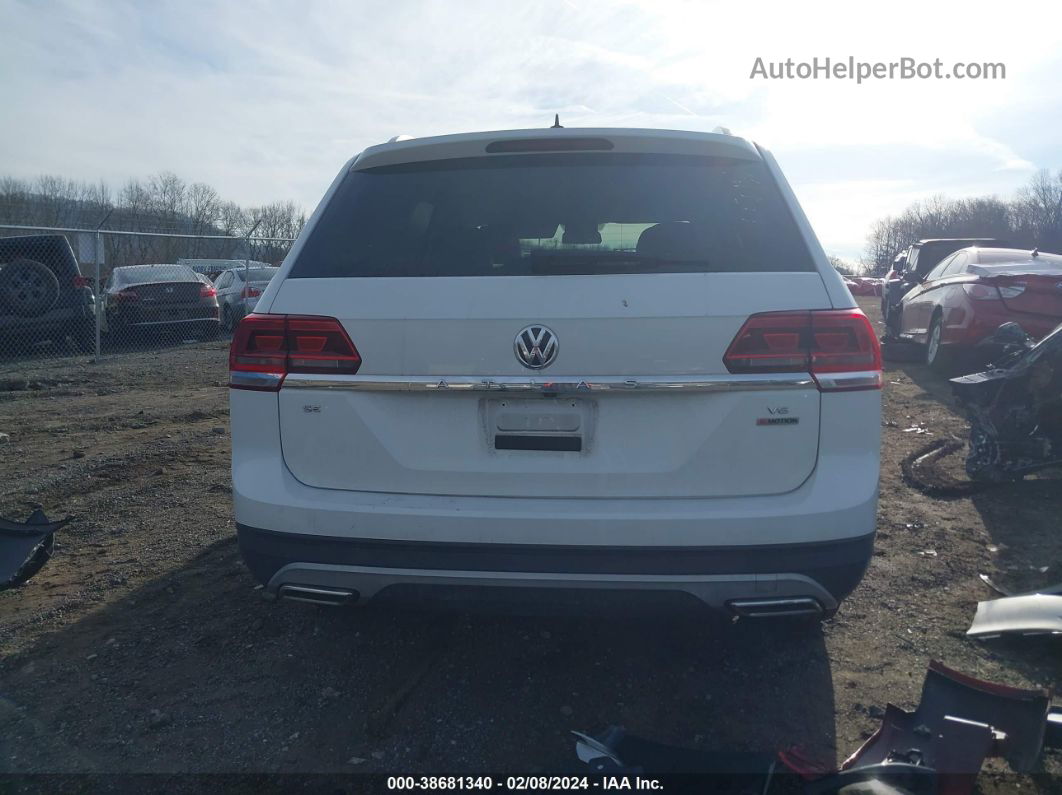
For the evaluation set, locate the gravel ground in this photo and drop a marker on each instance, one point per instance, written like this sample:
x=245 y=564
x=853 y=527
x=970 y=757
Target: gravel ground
x=143 y=647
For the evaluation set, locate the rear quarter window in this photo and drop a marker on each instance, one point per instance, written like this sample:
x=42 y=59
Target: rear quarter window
x=555 y=214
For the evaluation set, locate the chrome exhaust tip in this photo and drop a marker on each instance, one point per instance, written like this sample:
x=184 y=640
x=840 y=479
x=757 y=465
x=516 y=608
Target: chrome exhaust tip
x=317 y=595
x=768 y=608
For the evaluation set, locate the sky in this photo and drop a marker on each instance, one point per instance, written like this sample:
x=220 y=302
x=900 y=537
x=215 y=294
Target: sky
x=266 y=100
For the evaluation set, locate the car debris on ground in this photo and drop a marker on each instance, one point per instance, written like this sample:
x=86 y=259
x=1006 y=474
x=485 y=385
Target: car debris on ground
x=1047 y=589
x=25 y=547
x=1014 y=408
x=940 y=747
x=1028 y=614
x=616 y=753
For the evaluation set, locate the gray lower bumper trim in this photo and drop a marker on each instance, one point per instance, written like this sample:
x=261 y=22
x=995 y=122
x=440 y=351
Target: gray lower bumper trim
x=715 y=590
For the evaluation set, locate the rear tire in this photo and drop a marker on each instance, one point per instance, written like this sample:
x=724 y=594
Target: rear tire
x=892 y=316
x=984 y=457
x=938 y=356
x=28 y=288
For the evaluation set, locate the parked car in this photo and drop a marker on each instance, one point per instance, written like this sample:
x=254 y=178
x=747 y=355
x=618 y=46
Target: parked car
x=163 y=297
x=567 y=361
x=862 y=285
x=970 y=293
x=869 y=285
x=212 y=268
x=892 y=281
x=239 y=290
x=915 y=262
x=43 y=296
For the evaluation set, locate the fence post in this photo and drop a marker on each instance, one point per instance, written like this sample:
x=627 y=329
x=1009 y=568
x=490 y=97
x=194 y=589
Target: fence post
x=98 y=303
x=247 y=259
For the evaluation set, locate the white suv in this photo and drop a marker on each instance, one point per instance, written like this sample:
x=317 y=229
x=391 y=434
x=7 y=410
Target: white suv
x=572 y=362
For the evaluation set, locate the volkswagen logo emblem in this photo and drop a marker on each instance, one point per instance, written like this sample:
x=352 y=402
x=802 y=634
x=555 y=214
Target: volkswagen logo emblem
x=536 y=347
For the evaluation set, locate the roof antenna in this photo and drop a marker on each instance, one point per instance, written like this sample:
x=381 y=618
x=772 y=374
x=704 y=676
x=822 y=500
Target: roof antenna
x=556 y=122
x=1036 y=252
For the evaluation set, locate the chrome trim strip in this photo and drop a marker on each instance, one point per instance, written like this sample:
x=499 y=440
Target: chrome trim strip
x=204 y=319
x=835 y=382
x=255 y=380
x=564 y=384
x=315 y=596
x=770 y=608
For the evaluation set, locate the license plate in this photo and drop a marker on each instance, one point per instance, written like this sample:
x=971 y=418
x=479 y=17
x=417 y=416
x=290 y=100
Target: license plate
x=530 y=419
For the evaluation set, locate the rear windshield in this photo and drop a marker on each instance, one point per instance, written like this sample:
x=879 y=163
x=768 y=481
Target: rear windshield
x=555 y=214
x=143 y=274
x=1018 y=258
x=258 y=274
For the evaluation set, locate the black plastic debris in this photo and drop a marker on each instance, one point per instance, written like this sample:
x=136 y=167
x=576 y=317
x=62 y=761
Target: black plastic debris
x=886 y=778
x=617 y=753
x=1015 y=407
x=25 y=547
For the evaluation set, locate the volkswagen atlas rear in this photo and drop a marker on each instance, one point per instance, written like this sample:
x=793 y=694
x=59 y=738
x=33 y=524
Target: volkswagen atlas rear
x=563 y=363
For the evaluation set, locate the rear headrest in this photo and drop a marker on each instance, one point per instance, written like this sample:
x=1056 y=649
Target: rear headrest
x=672 y=240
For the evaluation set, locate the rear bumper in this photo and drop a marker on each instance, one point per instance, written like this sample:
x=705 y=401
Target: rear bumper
x=63 y=319
x=156 y=316
x=822 y=572
x=195 y=321
x=814 y=541
x=977 y=321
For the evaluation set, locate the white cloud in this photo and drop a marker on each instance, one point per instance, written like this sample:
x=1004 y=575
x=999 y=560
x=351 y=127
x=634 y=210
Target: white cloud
x=267 y=100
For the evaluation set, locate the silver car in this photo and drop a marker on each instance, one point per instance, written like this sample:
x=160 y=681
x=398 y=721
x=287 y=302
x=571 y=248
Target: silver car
x=238 y=292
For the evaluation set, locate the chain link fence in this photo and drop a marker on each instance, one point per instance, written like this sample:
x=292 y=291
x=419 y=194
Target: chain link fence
x=81 y=292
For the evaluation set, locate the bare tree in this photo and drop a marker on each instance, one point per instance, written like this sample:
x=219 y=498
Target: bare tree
x=162 y=203
x=1032 y=218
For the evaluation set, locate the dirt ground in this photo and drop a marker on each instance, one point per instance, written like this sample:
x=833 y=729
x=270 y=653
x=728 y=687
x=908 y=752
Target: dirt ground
x=144 y=645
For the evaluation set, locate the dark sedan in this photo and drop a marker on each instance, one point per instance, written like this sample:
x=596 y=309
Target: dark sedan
x=162 y=297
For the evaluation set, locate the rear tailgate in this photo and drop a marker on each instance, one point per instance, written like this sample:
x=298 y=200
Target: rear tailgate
x=728 y=436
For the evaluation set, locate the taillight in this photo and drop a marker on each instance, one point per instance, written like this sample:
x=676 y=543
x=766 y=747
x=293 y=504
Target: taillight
x=981 y=292
x=265 y=348
x=986 y=292
x=824 y=343
x=207 y=291
x=81 y=281
x=250 y=292
x=126 y=296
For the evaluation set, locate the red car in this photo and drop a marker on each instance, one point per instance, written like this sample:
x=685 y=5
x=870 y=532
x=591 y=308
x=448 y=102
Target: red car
x=968 y=294
x=867 y=285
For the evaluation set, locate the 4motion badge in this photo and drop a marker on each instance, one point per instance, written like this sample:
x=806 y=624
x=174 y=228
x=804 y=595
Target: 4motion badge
x=779 y=415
